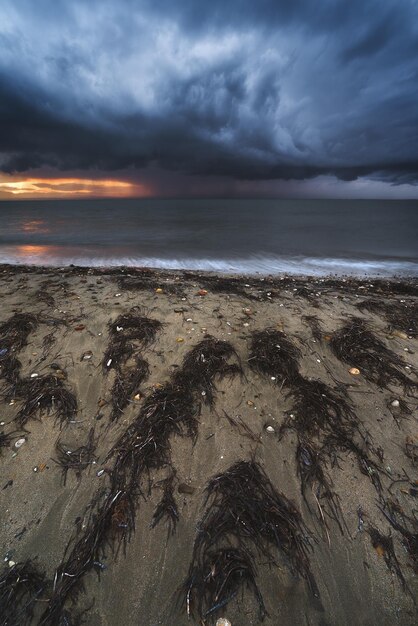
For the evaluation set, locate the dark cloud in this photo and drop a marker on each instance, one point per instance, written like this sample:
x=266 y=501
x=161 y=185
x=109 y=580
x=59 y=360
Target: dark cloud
x=241 y=89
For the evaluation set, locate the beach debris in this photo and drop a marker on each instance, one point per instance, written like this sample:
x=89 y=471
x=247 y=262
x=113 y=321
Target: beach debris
x=395 y=403
x=222 y=621
x=158 y=290
x=270 y=429
x=202 y=292
x=87 y=356
x=244 y=512
x=80 y=327
x=354 y=371
x=179 y=339
x=19 y=443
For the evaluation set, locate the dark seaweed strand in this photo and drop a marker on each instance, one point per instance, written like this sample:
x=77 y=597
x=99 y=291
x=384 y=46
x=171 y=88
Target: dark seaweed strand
x=76 y=460
x=39 y=395
x=319 y=413
x=14 y=335
x=167 y=507
x=356 y=345
x=244 y=512
x=384 y=544
x=143 y=447
x=399 y=315
x=20 y=588
x=129 y=334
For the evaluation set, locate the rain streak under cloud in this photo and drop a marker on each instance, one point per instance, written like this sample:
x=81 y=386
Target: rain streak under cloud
x=239 y=97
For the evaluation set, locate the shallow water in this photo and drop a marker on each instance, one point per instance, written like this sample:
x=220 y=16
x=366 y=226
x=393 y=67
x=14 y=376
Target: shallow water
x=267 y=236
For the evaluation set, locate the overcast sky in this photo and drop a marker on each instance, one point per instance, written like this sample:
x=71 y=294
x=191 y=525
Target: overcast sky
x=220 y=97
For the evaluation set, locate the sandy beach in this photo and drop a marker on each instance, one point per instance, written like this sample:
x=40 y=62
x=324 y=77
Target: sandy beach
x=177 y=448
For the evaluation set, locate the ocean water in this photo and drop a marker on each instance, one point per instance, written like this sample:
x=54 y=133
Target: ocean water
x=314 y=237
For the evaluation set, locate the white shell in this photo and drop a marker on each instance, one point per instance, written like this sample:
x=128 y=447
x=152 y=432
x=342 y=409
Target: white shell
x=20 y=442
x=395 y=403
x=270 y=429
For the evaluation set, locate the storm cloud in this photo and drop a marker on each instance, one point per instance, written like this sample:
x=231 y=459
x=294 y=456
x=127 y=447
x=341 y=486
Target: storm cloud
x=245 y=90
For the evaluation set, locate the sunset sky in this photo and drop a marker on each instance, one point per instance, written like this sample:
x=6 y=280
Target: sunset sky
x=163 y=97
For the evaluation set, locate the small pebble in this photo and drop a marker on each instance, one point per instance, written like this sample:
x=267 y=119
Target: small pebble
x=222 y=621
x=270 y=429
x=34 y=375
x=11 y=563
x=20 y=442
x=100 y=473
x=395 y=403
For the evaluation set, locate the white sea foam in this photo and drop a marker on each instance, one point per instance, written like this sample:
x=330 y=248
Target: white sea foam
x=256 y=264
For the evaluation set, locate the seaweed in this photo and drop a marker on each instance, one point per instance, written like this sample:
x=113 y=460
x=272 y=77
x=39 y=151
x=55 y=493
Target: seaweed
x=356 y=345
x=220 y=284
x=144 y=446
x=14 y=335
x=384 y=547
x=243 y=428
x=15 y=331
x=273 y=354
x=10 y=368
x=313 y=322
x=134 y=327
x=399 y=315
x=126 y=385
x=403 y=523
x=411 y=450
x=167 y=507
x=243 y=509
x=20 y=588
x=126 y=329
x=109 y=517
x=44 y=394
x=147 y=282
x=310 y=463
x=317 y=408
x=78 y=459
x=7 y=438
x=217 y=579
x=207 y=360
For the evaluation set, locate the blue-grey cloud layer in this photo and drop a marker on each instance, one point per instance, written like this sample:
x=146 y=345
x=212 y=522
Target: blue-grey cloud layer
x=238 y=88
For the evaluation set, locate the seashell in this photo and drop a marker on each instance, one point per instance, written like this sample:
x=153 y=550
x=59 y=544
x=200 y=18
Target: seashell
x=354 y=371
x=19 y=443
x=270 y=429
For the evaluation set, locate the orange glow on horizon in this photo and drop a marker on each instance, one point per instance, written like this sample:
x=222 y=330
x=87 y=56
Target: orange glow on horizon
x=11 y=186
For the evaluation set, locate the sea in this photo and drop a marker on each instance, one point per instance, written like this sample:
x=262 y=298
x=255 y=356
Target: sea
x=248 y=236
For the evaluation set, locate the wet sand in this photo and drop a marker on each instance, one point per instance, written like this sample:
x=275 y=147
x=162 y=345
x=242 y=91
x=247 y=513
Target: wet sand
x=39 y=514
